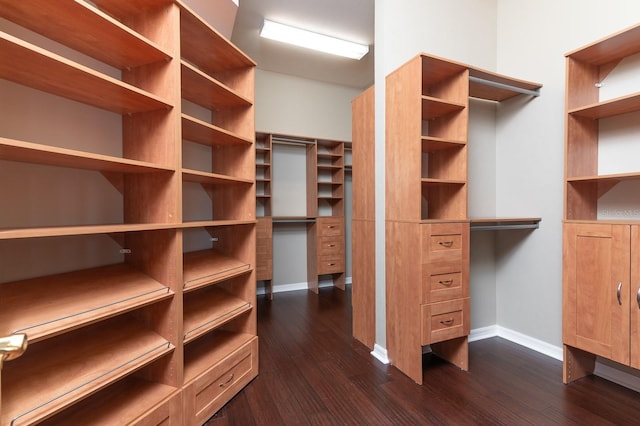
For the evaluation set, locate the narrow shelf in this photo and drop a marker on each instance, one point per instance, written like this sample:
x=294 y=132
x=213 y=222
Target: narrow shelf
x=206 y=178
x=46 y=306
x=202 y=45
x=208 y=92
x=206 y=267
x=434 y=108
x=207 y=134
x=215 y=223
x=28 y=152
x=618 y=106
x=611 y=48
x=82 y=27
x=435 y=69
x=73 y=366
x=127 y=399
x=204 y=353
x=61 y=231
x=491 y=86
x=504 y=223
x=612 y=178
x=40 y=69
x=433 y=144
x=439 y=182
x=293 y=219
x=209 y=309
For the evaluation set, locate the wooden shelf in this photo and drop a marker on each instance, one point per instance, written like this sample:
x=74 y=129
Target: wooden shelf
x=46 y=306
x=69 y=368
x=612 y=178
x=209 y=309
x=127 y=399
x=504 y=223
x=498 y=94
x=438 y=182
x=128 y=8
x=82 y=27
x=61 y=231
x=206 y=267
x=611 y=48
x=206 y=178
x=433 y=144
x=202 y=45
x=207 y=134
x=27 y=152
x=434 y=108
x=209 y=350
x=618 y=106
x=215 y=223
x=46 y=71
x=201 y=89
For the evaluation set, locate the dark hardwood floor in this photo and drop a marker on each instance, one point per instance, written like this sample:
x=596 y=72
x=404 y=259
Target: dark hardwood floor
x=313 y=372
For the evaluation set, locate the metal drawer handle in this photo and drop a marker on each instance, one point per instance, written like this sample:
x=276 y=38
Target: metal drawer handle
x=446 y=282
x=11 y=347
x=227 y=382
x=331 y=264
x=330 y=226
x=445 y=243
x=638 y=297
x=447 y=322
x=618 y=293
x=331 y=245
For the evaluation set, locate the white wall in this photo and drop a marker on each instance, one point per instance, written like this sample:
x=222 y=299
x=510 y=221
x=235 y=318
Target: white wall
x=295 y=106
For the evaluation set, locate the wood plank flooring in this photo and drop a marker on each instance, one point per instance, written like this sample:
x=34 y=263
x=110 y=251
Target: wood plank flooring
x=312 y=372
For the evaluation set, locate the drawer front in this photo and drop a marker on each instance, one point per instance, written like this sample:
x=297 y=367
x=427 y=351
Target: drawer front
x=330 y=226
x=166 y=413
x=330 y=245
x=442 y=287
x=330 y=264
x=445 y=243
x=219 y=384
x=445 y=320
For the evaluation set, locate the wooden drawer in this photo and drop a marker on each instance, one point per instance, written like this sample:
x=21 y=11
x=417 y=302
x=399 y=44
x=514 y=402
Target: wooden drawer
x=330 y=226
x=446 y=242
x=439 y=287
x=330 y=264
x=165 y=414
x=209 y=392
x=445 y=320
x=330 y=245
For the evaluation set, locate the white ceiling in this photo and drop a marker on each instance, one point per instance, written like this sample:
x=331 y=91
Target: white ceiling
x=347 y=19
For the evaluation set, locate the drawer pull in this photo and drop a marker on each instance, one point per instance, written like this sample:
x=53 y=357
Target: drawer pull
x=446 y=282
x=331 y=245
x=618 y=293
x=330 y=226
x=447 y=322
x=227 y=382
x=331 y=264
x=446 y=243
x=638 y=297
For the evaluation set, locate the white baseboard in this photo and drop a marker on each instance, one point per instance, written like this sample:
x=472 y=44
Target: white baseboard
x=298 y=286
x=380 y=353
x=531 y=343
x=629 y=379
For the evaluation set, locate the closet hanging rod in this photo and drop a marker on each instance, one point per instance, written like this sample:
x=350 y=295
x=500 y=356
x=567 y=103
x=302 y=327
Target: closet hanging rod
x=504 y=86
x=504 y=227
x=293 y=220
x=279 y=139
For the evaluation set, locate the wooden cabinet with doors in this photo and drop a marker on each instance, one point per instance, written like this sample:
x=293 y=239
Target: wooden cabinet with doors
x=159 y=327
x=601 y=266
x=427 y=228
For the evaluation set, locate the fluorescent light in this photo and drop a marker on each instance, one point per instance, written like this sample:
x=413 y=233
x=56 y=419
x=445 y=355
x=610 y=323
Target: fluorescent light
x=310 y=40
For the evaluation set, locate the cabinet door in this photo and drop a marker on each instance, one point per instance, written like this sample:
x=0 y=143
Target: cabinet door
x=596 y=289
x=635 y=296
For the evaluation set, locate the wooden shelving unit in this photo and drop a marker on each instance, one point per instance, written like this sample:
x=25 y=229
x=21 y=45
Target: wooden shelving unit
x=427 y=226
x=135 y=341
x=600 y=315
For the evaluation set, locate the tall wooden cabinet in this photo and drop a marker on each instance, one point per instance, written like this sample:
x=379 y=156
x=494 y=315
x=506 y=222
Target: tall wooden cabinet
x=168 y=334
x=427 y=228
x=601 y=266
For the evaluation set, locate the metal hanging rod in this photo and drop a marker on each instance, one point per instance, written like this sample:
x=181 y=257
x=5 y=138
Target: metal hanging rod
x=503 y=227
x=281 y=139
x=294 y=220
x=504 y=86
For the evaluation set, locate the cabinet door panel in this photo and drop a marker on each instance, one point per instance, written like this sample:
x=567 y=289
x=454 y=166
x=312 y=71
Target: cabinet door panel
x=635 y=296
x=596 y=289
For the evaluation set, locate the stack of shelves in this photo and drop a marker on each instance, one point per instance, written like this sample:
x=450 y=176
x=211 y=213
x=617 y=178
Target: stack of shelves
x=124 y=340
x=264 y=229
x=601 y=309
x=427 y=228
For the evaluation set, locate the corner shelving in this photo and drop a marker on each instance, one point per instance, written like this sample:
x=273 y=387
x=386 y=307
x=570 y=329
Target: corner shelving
x=133 y=335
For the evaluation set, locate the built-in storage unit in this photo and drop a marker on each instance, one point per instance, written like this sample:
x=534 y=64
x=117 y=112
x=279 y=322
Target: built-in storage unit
x=324 y=197
x=601 y=266
x=363 y=226
x=167 y=332
x=427 y=228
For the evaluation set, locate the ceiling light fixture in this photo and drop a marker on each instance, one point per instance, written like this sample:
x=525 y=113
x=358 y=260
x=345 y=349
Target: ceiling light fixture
x=310 y=40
